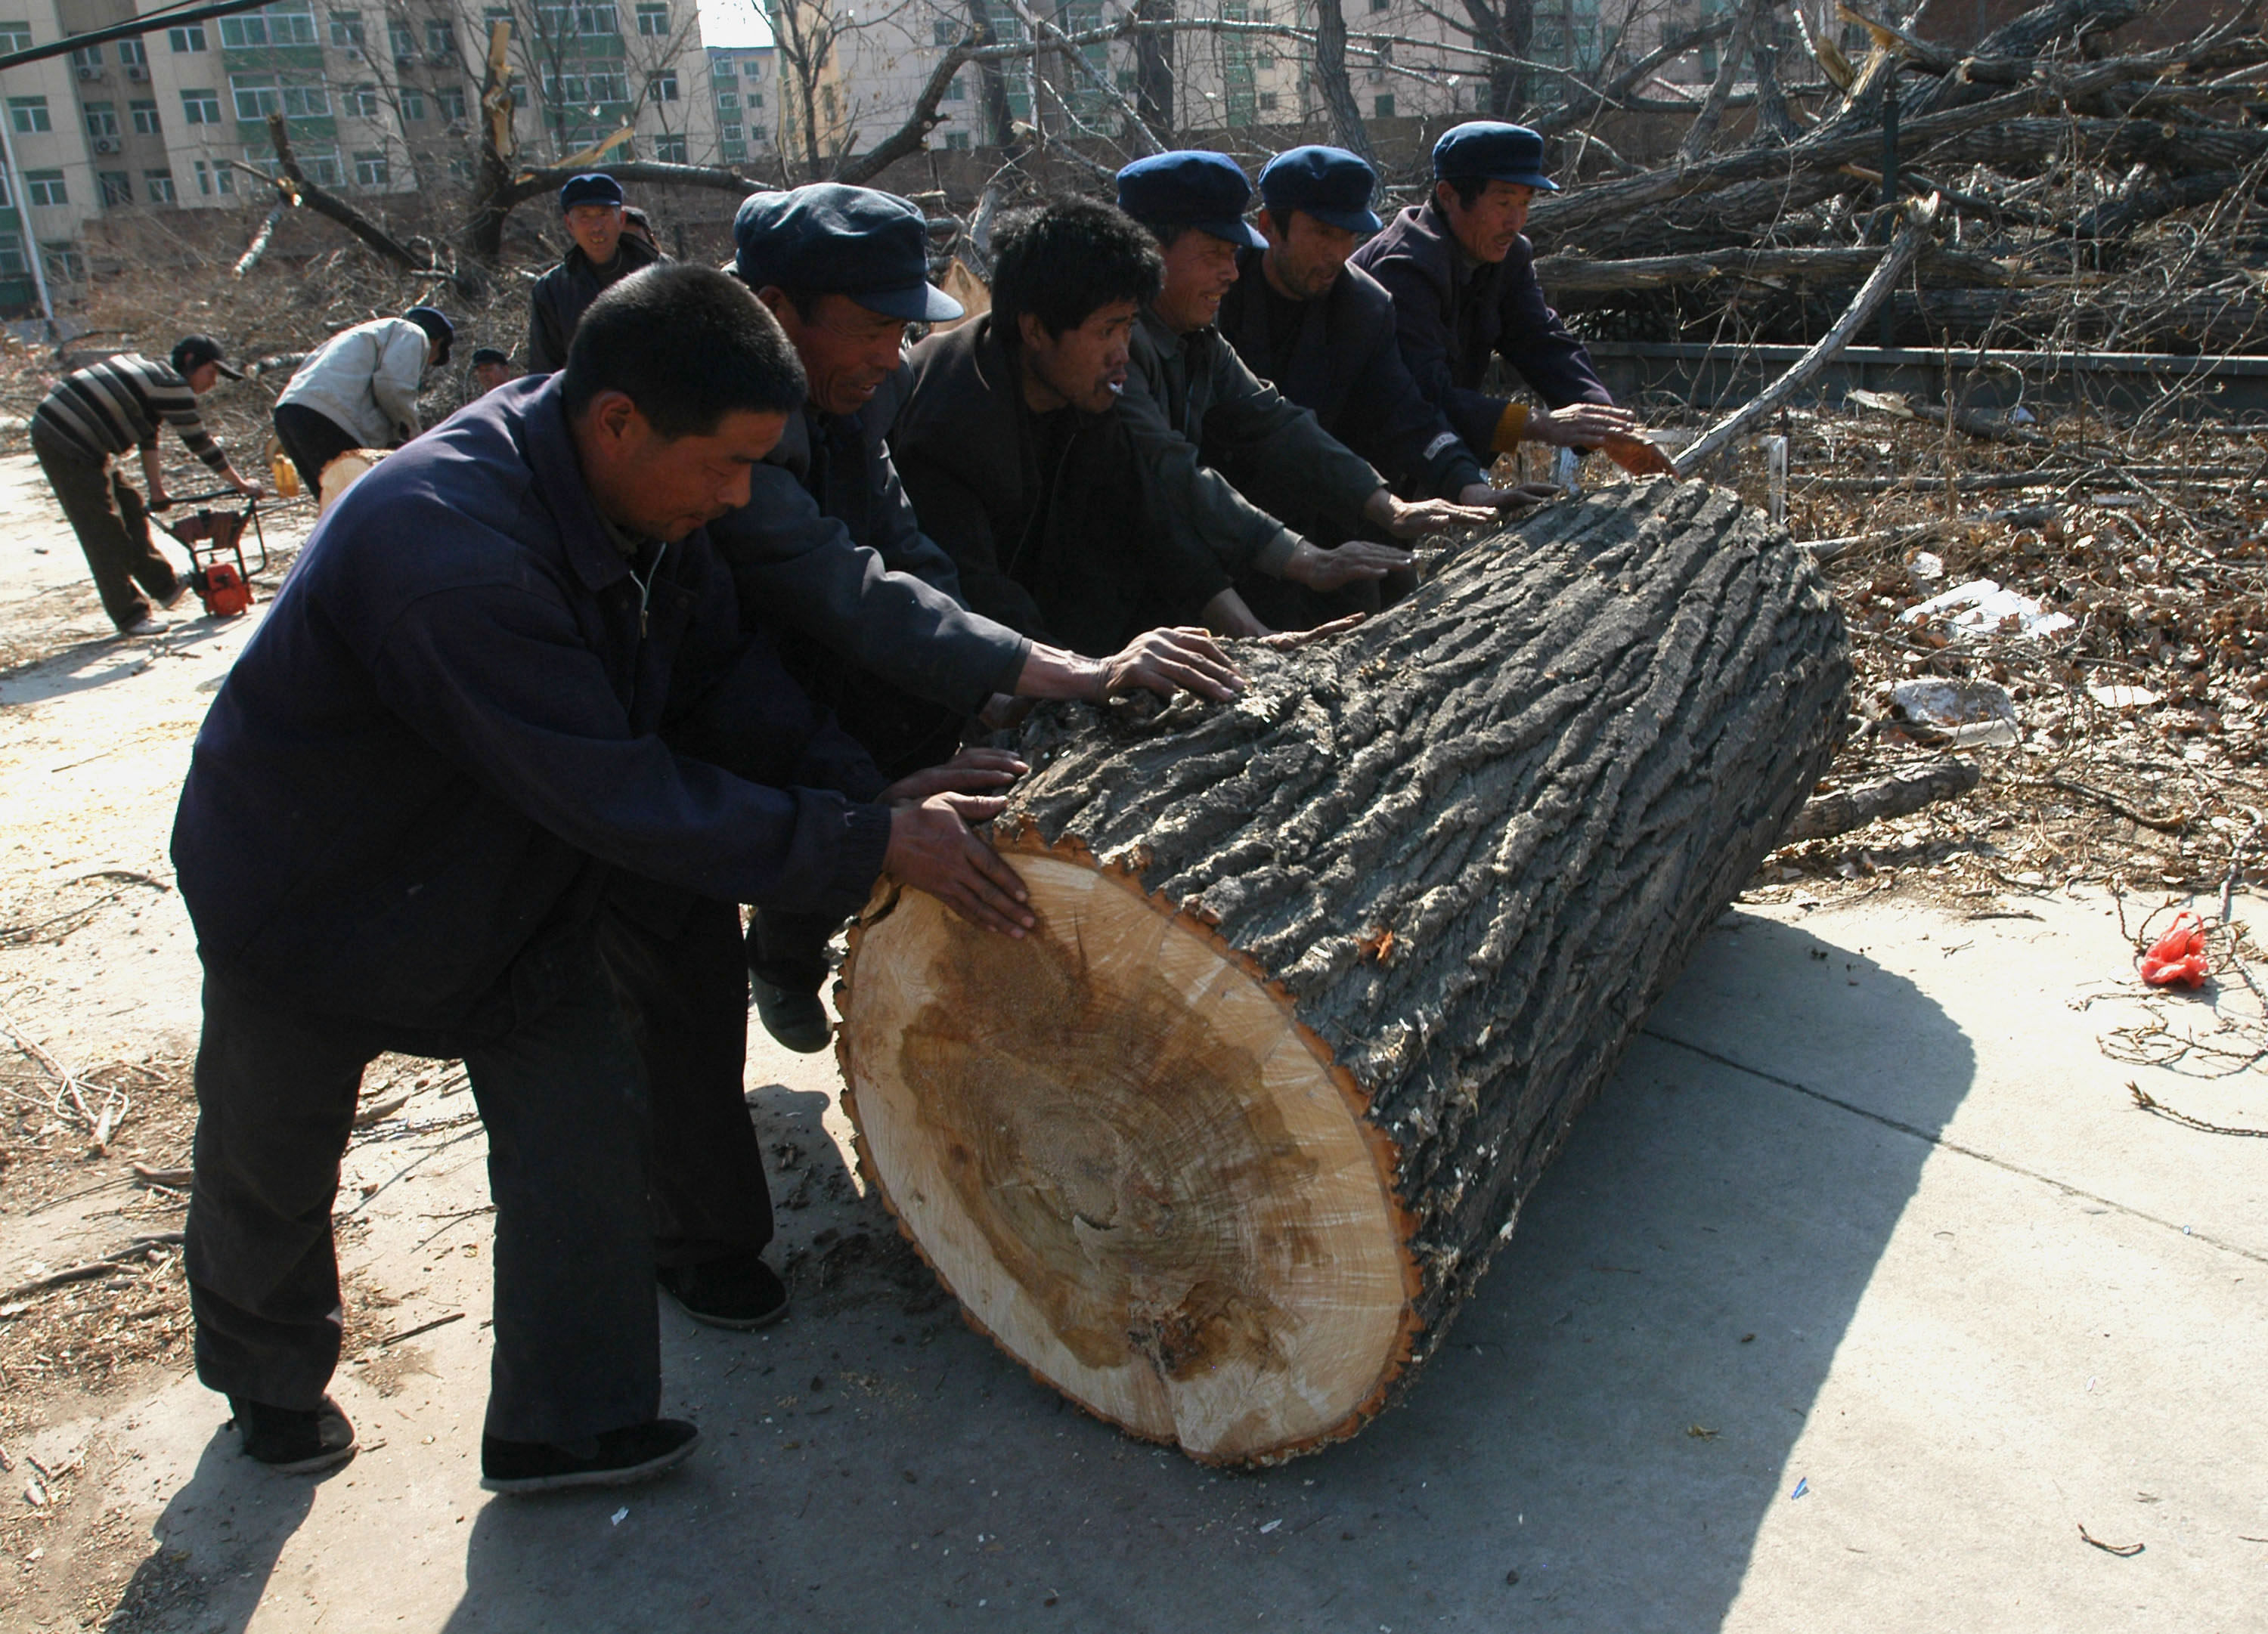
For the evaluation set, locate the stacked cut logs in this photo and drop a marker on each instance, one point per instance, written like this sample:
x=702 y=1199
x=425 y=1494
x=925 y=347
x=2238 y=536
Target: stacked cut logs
x=2095 y=194
x=1321 y=976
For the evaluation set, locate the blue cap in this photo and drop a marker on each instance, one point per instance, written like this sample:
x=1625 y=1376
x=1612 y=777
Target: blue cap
x=1486 y=149
x=1330 y=184
x=830 y=239
x=592 y=187
x=1191 y=189
x=437 y=329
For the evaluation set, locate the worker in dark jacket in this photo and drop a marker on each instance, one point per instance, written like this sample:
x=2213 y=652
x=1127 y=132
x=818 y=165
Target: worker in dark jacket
x=846 y=270
x=1013 y=450
x=1463 y=282
x=472 y=715
x=602 y=256
x=1191 y=405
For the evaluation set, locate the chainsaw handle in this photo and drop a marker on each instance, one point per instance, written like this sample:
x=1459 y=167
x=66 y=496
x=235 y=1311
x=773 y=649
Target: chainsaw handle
x=197 y=499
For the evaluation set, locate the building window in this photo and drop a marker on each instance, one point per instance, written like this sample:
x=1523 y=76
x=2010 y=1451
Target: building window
x=413 y=103
x=310 y=101
x=182 y=41
x=610 y=88
x=670 y=149
x=653 y=18
x=45 y=186
x=755 y=98
x=735 y=149
x=956 y=141
x=5 y=202
x=158 y=184
x=955 y=91
x=12 y=255
x=362 y=101
x=146 y=118
x=596 y=19
x=1380 y=6
x=65 y=264
x=28 y=115
x=460 y=168
x=370 y=170
x=754 y=67
x=255 y=94
x=102 y=119
x=731 y=133
x=322 y=166
x=346 y=30
x=728 y=102
x=200 y=107
x=441 y=40
x=451 y=98
x=203 y=172
x=663 y=87
x=131 y=56
x=1384 y=105
x=944 y=31
x=88 y=60
x=404 y=43
x=16 y=37
x=284 y=23
x=117 y=187
x=1267 y=102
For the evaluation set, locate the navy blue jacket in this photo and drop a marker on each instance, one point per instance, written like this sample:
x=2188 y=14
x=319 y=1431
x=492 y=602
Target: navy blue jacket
x=834 y=558
x=1451 y=315
x=1345 y=365
x=447 y=737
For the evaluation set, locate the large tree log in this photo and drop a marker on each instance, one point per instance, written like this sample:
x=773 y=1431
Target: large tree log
x=1322 y=976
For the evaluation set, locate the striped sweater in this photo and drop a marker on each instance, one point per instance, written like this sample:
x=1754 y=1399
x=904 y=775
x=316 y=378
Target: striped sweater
x=115 y=405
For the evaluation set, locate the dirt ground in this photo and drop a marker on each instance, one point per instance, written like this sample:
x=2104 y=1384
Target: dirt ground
x=2153 y=790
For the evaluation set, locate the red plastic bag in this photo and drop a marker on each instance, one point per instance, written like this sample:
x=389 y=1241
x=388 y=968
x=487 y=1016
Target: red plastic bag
x=2179 y=956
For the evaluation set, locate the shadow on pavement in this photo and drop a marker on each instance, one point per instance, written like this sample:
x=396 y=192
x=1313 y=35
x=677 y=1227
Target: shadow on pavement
x=1595 y=1448
x=216 y=1587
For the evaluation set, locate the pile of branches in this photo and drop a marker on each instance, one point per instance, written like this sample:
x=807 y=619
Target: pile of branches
x=2091 y=197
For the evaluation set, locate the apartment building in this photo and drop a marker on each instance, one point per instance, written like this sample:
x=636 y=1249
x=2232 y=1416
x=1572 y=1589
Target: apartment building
x=380 y=97
x=744 y=94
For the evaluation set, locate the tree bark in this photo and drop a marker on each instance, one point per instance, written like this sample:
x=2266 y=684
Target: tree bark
x=1340 y=109
x=1153 y=69
x=1321 y=976
x=1824 y=816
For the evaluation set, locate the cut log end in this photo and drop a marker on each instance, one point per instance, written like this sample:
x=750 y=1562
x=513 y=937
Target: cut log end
x=1139 y=1172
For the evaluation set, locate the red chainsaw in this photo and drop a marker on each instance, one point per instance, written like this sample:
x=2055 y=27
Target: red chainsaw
x=215 y=542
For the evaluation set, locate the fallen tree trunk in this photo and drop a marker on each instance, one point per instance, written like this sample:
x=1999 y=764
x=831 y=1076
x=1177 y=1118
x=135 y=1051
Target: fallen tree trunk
x=1321 y=976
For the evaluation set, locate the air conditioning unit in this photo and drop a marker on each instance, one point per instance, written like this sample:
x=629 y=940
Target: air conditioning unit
x=89 y=70
x=106 y=144
x=137 y=72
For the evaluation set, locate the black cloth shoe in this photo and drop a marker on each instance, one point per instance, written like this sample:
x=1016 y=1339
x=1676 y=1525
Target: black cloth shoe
x=294 y=1441
x=740 y=1292
x=796 y=1020
x=618 y=1457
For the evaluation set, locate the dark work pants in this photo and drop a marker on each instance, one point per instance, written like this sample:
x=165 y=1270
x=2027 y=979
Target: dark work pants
x=572 y=1141
x=686 y=990
x=113 y=530
x=312 y=440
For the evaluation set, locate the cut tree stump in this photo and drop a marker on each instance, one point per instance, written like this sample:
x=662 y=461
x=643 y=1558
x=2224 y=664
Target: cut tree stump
x=1322 y=976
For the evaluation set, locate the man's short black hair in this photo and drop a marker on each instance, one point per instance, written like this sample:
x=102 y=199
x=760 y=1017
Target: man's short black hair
x=689 y=346
x=1468 y=188
x=1063 y=262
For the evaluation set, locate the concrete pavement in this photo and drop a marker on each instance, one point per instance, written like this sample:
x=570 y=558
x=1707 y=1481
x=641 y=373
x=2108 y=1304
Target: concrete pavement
x=1866 y=1210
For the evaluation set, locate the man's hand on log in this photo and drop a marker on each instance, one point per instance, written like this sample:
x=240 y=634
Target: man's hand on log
x=933 y=850
x=1293 y=640
x=972 y=772
x=1355 y=561
x=1407 y=519
x=1167 y=661
x=1581 y=426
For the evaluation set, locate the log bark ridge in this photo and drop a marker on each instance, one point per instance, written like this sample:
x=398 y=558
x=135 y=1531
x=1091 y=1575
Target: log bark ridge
x=1323 y=974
